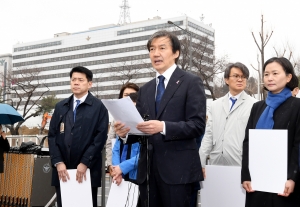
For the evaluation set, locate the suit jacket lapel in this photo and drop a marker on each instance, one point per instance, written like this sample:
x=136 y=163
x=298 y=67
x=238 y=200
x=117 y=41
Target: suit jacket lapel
x=151 y=98
x=71 y=115
x=225 y=104
x=240 y=101
x=173 y=84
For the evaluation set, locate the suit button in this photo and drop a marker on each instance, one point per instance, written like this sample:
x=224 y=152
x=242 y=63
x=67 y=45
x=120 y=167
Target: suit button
x=71 y=133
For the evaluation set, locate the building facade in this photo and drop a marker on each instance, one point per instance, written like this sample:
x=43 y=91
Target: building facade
x=5 y=69
x=115 y=53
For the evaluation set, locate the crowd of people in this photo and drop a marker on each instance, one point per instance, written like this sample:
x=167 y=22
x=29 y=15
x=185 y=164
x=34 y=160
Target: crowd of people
x=169 y=163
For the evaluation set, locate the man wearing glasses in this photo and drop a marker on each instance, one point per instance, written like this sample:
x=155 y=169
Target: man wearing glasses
x=227 y=120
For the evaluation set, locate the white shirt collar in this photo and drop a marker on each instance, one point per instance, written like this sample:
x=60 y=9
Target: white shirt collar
x=236 y=96
x=82 y=99
x=167 y=74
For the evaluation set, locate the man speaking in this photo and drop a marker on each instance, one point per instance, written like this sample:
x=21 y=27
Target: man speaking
x=175 y=104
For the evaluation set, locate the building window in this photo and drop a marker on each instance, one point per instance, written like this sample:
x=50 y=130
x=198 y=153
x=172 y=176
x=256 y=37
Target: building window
x=197 y=27
x=31 y=47
x=148 y=28
x=79 y=56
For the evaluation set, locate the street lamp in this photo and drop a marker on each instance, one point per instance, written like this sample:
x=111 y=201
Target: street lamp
x=190 y=46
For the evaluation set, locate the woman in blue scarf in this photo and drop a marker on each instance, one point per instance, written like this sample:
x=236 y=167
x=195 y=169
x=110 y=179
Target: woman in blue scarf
x=279 y=111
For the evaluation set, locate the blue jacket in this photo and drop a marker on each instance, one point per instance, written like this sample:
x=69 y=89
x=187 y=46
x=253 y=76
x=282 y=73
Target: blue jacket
x=128 y=166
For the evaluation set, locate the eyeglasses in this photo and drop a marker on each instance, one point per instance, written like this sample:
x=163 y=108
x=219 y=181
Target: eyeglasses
x=237 y=77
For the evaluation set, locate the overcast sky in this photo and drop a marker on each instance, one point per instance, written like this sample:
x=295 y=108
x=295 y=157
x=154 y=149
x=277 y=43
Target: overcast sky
x=233 y=20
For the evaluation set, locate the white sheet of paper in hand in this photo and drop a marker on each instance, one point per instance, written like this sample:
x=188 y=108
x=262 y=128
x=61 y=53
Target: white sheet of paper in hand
x=74 y=194
x=124 y=110
x=268 y=159
x=222 y=187
x=126 y=194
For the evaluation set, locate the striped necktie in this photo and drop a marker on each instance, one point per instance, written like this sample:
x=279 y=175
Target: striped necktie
x=74 y=113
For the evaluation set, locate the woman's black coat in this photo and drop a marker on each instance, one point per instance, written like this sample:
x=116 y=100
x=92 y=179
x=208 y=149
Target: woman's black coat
x=286 y=116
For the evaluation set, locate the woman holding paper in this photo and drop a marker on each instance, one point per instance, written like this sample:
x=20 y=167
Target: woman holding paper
x=125 y=91
x=279 y=111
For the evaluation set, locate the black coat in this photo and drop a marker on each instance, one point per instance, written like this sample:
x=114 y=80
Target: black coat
x=88 y=134
x=4 y=147
x=286 y=116
x=183 y=109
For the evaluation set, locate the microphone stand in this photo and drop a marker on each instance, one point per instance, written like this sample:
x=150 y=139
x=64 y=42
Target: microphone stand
x=145 y=139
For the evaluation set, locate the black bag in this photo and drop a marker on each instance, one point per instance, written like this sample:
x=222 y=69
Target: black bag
x=30 y=148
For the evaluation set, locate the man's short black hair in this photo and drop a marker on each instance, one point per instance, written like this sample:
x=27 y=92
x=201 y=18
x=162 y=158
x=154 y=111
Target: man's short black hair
x=81 y=69
x=175 y=43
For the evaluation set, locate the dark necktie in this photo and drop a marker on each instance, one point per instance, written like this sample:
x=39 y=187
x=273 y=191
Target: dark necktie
x=74 y=113
x=160 y=91
x=124 y=153
x=233 y=100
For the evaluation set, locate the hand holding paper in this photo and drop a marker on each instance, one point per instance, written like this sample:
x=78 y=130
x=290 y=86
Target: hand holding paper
x=289 y=188
x=63 y=174
x=124 y=111
x=81 y=172
x=151 y=126
x=120 y=129
x=247 y=186
x=81 y=192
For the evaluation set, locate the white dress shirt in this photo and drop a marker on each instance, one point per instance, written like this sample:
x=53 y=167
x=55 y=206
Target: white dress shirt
x=236 y=97
x=167 y=74
x=82 y=99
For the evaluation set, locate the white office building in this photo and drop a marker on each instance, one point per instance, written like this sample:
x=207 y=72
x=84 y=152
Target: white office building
x=114 y=53
x=5 y=68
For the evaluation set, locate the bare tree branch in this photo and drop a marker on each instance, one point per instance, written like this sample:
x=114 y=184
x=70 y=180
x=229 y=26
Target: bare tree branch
x=25 y=90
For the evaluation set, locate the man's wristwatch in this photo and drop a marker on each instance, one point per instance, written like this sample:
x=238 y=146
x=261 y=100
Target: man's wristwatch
x=57 y=164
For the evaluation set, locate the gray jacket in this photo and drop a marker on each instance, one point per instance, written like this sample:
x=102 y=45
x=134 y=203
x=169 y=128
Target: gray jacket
x=225 y=131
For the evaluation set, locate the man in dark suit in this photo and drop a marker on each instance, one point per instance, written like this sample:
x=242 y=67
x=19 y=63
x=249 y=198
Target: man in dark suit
x=77 y=134
x=175 y=104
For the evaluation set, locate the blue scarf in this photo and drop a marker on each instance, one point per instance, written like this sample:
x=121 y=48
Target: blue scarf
x=265 y=120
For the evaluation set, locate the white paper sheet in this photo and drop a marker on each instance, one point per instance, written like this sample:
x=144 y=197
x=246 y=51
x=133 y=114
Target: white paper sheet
x=74 y=194
x=222 y=187
x=268 y=159
x=126 y=194
x=124 y=110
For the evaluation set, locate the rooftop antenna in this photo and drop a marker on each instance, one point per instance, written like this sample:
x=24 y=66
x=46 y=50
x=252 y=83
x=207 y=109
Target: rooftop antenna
x=124 y=14
x=202 y=18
